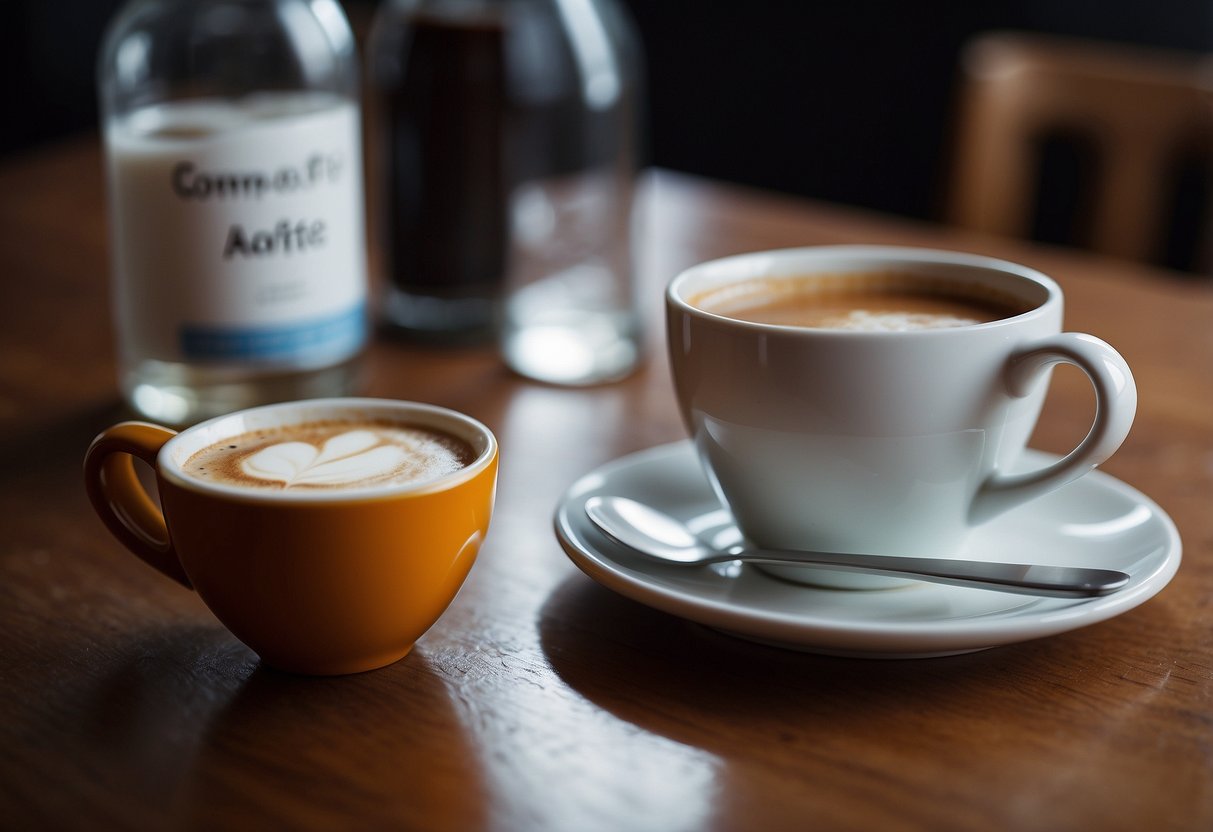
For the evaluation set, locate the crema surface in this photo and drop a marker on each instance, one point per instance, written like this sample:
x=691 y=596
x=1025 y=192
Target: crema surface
x=330 y=456
x=879 y=302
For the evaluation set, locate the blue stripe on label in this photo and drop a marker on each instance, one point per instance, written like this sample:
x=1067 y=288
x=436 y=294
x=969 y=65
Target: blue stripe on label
x=335 y=335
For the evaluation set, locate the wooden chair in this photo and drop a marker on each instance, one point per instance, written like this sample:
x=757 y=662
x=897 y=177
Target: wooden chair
x=1145 y=113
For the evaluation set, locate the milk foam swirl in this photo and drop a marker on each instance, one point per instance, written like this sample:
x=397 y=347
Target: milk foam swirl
x=355 y=456
x=330 y=456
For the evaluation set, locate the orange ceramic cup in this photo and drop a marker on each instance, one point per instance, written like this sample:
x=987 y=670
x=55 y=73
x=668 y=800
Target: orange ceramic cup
x=318 y=582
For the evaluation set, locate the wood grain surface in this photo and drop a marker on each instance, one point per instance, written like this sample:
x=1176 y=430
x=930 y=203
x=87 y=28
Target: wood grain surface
x=542 y=700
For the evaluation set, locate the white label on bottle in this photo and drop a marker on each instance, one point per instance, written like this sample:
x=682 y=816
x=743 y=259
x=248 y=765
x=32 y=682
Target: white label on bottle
x=237 y=230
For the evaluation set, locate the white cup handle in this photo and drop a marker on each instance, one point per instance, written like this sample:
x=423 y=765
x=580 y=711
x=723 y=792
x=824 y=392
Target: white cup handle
x=1115 y=406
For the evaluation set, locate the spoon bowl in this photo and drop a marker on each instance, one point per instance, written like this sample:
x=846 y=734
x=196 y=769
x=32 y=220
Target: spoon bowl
x=662 y=538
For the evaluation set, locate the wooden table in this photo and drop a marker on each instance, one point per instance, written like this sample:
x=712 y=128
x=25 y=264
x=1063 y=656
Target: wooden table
x=541 y=700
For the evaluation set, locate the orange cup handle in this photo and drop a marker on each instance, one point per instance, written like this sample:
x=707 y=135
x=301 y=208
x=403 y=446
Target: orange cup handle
x=120 y=499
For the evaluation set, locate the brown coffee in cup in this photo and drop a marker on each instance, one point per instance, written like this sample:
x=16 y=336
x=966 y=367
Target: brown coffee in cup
x=876 y=302
x=330 y=455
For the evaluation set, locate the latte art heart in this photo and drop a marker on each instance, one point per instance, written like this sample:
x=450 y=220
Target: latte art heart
x=331 y=455
x=346 y=458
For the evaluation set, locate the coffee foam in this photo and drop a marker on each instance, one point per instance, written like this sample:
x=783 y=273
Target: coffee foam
x=330 y=456
x=862 y=320
x=834 y=289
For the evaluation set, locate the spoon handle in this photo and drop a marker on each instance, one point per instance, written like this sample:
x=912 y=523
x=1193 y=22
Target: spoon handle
x=655 y=535
x=1025 y=579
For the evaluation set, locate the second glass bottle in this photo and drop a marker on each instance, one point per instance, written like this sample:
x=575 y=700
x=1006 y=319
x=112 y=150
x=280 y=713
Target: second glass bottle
x=507 y=136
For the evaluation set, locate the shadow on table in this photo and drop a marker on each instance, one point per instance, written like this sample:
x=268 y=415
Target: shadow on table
x=385 y=747
x=994 y=739
x=188 y=726
x=698 y=686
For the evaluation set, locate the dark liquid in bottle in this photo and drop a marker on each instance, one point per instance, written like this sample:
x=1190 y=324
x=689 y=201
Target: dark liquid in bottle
x=442 y=117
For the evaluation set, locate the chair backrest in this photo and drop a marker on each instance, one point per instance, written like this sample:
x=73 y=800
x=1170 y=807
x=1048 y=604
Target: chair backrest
x=1144 y=112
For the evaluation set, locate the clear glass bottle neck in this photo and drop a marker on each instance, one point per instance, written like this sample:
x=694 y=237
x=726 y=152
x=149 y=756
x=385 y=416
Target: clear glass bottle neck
x=157 y=51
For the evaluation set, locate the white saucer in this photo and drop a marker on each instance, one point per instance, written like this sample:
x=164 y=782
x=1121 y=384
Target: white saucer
x=1095 y=521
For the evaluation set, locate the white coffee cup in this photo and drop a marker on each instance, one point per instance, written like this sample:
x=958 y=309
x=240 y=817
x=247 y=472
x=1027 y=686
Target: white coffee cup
x=880 y=442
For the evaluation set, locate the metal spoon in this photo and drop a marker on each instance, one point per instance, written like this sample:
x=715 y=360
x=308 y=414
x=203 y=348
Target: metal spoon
x=660 y=537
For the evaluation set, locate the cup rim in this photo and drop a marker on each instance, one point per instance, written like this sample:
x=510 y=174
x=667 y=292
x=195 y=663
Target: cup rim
x=192 y=439
x=757 y=264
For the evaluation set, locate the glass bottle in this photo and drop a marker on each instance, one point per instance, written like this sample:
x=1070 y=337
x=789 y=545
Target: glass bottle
x=508 y=130
x=233 y=152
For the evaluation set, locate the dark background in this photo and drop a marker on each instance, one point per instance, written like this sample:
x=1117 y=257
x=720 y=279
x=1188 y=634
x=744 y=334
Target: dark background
x=843 y=100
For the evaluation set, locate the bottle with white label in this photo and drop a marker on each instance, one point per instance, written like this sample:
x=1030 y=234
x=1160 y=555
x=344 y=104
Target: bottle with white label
x=233 y=152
